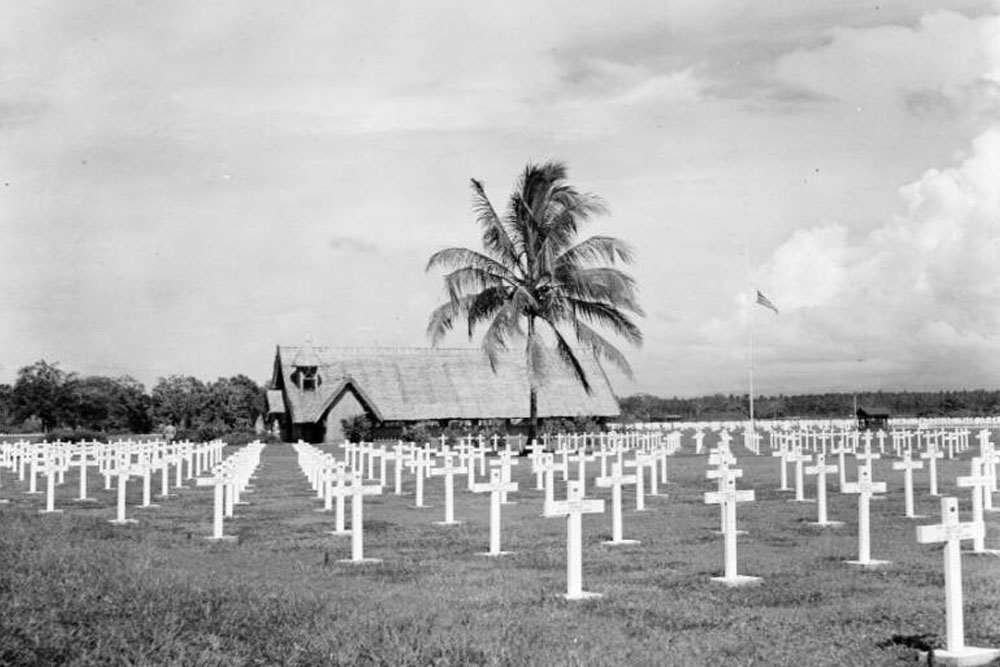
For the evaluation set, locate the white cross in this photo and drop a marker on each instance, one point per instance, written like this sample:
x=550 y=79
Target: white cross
x=448 y=471
x=951 y=531
x=728 y=499
x=616 y=480
x=358 y=491
x=821 y=469
x=495 y=487
x=865 y=487
x=573 y=508
x=908 y=465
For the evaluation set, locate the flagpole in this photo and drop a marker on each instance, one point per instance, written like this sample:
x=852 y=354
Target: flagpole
x=750 y=346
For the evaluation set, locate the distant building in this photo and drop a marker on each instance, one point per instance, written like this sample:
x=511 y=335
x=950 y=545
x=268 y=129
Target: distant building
x=313 y=388
x=873 y=419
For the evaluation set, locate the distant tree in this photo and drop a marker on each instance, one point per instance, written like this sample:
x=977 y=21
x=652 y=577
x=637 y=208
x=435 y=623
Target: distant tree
x=110 y=404
x=234 y=402
x=179 y=400
x=533 y=271
x=42 y=390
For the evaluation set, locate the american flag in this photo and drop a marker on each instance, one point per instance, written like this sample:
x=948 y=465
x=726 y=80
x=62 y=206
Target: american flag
x=764 y=301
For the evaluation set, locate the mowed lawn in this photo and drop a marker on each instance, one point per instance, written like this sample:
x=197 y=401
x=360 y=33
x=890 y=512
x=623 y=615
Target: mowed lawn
x=77 y=590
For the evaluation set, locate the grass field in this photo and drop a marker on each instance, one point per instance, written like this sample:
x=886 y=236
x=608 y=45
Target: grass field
x=77 y=590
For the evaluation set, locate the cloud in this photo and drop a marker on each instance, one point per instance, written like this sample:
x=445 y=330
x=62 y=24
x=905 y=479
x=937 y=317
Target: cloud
x=946 y=62
x=920 y=294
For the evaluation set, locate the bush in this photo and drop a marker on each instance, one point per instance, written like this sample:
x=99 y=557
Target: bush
x=358 y=428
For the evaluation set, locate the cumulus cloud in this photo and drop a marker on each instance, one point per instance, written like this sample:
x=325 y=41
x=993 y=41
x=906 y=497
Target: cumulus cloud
x=920 y=294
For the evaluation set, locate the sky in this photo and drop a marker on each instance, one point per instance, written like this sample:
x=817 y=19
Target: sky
x=186 y=185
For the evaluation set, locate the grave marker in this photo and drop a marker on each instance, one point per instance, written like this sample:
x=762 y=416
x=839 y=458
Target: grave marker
x=573 y=508
x=951 y=531
x=821 y=470
x=495 y=487
x=358 y=490
x=865 y=487
x=616 y=480
x=729 y=498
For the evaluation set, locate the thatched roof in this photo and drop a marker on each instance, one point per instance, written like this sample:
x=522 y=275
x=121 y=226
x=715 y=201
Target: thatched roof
x=413 y=384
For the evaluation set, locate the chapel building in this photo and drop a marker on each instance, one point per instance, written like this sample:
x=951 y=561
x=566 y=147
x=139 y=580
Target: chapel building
x=313 y=388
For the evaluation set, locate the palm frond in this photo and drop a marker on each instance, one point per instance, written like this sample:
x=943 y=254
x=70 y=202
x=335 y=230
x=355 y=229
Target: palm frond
x=459 y=258
x=496 y=240
x=607 y=285
x=601 y=347
x=567 y=354
x=595 y=249
x=609 y=317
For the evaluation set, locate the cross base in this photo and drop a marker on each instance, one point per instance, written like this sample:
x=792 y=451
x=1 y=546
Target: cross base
x=338 y=532
x=509 y=502
x=644 y=509
x=33 y=493
x=583 y=595
x=162 y=496
x=738 y=580
x=969 y=656
x=49 y=511
x=322 y=509
x=869 y=563
x=79 y=500
x=4 y=501
x=915 y=516
x=621 y=542
x=361 y=561
x=657 y=495
x=122 y=522
x=722 y=532
x=494 y=553
x=801 y=500
x=827 y=524
x=784 y=490
x=447 y=523
x=420 y=507
x=149 y=506
x=223 y=538
x=991 y=509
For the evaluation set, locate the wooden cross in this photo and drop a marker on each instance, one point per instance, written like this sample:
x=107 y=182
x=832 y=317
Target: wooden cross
x=448 y=471
x=615 y=481
x=495 y=487
x=951 y=531
x=979 y=482
x=821 y=469
x=358 y=490
x=507 y=460
x=336 y=479
x=219 y=479
x=573 y=508
x=932 y=454
x=582 y=458
x=728 y=499
x=908 y=465
x=865 y=487
x=419 y=465
x=799 y=459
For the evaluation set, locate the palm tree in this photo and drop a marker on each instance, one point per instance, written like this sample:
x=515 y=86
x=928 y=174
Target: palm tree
x=535 y=271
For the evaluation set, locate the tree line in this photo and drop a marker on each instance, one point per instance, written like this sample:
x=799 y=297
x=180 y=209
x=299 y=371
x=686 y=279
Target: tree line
x=962 y=403
x=45 y=398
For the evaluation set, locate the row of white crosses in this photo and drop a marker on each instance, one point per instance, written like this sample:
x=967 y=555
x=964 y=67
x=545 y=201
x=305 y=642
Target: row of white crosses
x=727 y=497
x=323 y=470
x=230 y=477
x=119 y=459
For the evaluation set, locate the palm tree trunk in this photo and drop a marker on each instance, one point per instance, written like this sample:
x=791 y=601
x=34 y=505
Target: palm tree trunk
x=533 y=416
